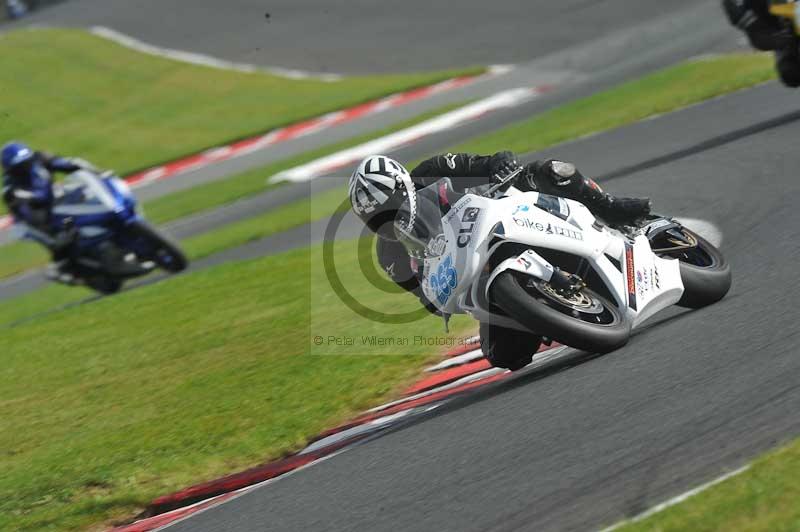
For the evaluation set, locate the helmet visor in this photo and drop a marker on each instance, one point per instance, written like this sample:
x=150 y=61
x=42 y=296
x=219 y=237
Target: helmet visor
x=21 y=170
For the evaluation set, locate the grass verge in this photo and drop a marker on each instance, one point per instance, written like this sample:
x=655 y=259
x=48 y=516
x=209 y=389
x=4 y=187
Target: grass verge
x=661 y=92
x=18 y=257
x=664 y=91
x=762 y=498
x=126 y=110
x=104 y=408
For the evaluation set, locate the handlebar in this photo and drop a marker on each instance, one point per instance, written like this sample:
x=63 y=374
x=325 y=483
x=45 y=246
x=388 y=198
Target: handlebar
x=503 y=182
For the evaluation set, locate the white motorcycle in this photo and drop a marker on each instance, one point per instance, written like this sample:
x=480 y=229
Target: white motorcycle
x=544 y=264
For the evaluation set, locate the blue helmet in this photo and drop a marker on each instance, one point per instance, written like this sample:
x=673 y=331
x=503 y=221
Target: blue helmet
x=15 y=154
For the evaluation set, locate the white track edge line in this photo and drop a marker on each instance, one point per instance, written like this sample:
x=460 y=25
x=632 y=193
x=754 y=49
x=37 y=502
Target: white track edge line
x=500 y=100
x=677 y=499
x=205 y=60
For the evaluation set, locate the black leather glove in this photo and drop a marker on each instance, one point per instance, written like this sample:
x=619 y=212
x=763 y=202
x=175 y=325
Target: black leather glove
x=8 y=195
x=526 y=181
x=503 y=164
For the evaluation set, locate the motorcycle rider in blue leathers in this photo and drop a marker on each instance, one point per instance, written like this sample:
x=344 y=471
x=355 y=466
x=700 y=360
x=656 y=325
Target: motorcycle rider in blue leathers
x=28 y=194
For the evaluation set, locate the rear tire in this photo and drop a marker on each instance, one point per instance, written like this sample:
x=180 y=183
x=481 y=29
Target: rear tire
x=508 y=348
x=104 y=284
x=167 y=254
x=532 y=307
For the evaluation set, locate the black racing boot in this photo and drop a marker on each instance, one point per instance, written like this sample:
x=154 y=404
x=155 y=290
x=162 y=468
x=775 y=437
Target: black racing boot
x=508 y=348
x=563 y=179
x=787 y=63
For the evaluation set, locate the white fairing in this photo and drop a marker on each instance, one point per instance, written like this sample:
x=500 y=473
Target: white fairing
x=457 y=280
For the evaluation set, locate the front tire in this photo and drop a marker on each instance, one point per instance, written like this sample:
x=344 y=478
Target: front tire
x=166 y=253
x=705 y=273
x=590 y=322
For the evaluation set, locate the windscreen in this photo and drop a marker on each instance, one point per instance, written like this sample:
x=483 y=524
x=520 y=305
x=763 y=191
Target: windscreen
x=82 y=191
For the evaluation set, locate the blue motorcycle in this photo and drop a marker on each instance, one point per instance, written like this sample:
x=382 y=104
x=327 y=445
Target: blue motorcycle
x=113 y=242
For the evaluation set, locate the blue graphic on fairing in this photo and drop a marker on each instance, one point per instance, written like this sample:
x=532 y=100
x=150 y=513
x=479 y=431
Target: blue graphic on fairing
x=520 y=208
x=444 y=280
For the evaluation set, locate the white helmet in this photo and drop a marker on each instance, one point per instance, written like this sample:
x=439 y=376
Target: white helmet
x=378 y=188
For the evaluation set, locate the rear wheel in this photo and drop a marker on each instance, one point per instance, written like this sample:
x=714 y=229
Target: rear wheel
x=104 y=284
x=705 y=273
x=165 y=252
x=584 y=320
x=508 y=348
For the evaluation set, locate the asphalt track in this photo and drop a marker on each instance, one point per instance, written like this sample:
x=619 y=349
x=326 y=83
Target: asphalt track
x=578 y=70
x=362 y=36
x=642 y=37
x=735 y=114
x=693 y=395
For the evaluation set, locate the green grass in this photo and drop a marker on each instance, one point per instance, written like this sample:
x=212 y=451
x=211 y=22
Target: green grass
x=287 y=217
x=38 y=302
x=664 y=91
x=661 y=92
x=18 y=257
x=73 y=93
x=215 y=194
x=110 y=404
x=765 y=497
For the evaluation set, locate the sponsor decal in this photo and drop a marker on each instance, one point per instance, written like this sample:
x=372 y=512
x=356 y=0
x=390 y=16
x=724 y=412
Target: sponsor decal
x=460 y=204
x=630 y=274
x=471 y=214
x=444 y=280
x=549 y=228
x=524 y=262
x=437 y=246
x=656 y=280
x=643 y=281
x=468 y=220
x=520 y=208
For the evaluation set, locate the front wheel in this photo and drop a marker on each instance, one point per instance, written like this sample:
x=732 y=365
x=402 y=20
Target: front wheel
x=584 y=320
x=705 y=273
x=162 y=250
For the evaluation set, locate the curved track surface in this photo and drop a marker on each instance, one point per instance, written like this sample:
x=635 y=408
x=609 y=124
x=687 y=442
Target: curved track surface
x=693 y=395
x=363 y=36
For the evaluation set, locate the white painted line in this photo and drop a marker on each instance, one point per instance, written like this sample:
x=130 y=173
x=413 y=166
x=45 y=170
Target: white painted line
x=204 y=60
x=242 y=491
x=364 y=428
x=677 y=500
x=460 y=360
x=538 y=359
x=454 y=118
x=463 y=380
x=704 y=228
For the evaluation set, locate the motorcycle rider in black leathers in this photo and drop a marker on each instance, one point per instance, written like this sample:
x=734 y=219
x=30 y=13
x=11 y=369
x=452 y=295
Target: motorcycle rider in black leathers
x=379 y=185
x=768 y=32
